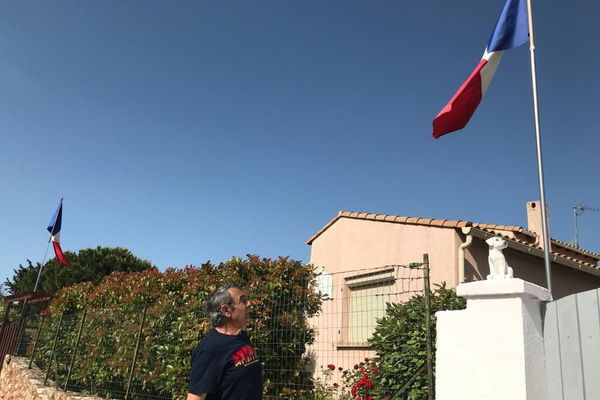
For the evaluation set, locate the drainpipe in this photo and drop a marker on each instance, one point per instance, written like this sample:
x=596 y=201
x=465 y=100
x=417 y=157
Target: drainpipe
x=461 y=254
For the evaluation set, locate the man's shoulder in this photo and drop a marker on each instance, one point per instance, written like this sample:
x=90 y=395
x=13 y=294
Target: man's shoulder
x=210 y=336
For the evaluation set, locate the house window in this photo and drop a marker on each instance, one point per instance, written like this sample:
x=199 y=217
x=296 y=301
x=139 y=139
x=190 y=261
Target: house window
x=325 y=285
x=366 y=301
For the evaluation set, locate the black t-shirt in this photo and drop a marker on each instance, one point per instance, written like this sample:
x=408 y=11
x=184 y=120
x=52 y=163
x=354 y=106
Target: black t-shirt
x=226 y=367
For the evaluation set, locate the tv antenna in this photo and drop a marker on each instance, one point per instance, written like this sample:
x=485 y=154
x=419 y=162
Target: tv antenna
x=577 y=211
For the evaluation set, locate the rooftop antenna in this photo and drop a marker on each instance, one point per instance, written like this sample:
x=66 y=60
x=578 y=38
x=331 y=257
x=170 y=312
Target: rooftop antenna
x=577 y=211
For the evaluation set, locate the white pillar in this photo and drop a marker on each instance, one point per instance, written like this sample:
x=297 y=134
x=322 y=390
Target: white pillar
x=494 y=349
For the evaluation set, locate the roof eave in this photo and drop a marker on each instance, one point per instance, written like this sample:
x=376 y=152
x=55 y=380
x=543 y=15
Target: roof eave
x=538 y=252
x=324 y=228
x=435 y=223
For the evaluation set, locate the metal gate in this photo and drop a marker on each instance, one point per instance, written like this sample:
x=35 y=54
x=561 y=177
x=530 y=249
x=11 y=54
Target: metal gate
x=11 y=326
x=572 y=346
x=8 y=340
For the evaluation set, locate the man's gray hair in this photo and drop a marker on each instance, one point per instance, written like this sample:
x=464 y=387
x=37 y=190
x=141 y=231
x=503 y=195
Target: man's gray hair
x=215 y=300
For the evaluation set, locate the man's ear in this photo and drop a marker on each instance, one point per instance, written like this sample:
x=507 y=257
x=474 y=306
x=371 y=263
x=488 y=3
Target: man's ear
x=225 y=310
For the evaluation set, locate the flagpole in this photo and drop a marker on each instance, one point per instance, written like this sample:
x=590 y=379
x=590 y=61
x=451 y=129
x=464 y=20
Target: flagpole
x=538 y=142
x=37 y=281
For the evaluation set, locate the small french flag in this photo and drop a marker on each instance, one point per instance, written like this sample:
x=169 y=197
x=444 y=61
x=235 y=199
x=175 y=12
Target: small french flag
x=54 y=229
x=512 y=30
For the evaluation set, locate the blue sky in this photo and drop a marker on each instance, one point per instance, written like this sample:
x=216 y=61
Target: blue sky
x=200 y=130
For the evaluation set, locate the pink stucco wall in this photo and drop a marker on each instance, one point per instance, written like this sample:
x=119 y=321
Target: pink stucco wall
x=352 y=244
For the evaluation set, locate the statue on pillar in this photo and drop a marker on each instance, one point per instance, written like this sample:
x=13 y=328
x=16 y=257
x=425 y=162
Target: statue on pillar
x=499 y=268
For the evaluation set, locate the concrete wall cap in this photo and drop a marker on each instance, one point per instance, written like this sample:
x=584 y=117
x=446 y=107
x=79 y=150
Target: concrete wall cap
x=502 y=288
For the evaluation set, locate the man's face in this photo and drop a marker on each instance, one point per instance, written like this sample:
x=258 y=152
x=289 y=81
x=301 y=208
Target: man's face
x=240 y=310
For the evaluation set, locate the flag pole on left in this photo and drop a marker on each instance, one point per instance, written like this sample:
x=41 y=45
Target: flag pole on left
x=54 y=228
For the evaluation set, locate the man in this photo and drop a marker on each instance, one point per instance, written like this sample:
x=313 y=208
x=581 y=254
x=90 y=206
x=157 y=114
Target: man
x=225 y=365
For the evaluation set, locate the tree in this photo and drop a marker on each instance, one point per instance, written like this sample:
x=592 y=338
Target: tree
x=85 y=265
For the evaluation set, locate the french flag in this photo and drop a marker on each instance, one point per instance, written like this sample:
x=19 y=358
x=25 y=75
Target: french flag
x=54 y=229
x=512 y=30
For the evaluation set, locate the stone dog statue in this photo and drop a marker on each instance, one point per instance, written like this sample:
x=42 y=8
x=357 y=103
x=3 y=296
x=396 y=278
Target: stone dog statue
x=499 y=268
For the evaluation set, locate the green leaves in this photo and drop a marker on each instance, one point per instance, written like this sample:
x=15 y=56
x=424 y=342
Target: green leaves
x=400 y=343
x=282 y=291
x=87 y=265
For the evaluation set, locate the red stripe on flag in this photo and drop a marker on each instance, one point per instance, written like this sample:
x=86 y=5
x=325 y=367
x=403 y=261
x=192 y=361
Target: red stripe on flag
x=60 y=257
x=462 y=105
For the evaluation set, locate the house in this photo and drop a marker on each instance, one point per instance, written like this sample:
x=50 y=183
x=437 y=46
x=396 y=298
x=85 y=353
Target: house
x=363 y=258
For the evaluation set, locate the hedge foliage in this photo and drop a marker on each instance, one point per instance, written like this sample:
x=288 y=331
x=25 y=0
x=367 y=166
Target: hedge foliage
x=283 y=299
x=400 y=344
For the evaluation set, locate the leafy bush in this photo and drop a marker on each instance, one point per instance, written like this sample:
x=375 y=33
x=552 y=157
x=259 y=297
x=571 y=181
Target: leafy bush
x=400 y=344
x=283 y=295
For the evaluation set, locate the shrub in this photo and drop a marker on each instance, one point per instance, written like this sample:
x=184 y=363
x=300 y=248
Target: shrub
x=400 y=344
x=282 y=290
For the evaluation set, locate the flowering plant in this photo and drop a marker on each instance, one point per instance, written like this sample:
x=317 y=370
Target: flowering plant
x=360 y=379
x=325 y=387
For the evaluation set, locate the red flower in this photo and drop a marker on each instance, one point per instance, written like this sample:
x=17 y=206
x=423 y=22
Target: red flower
x=331 y=367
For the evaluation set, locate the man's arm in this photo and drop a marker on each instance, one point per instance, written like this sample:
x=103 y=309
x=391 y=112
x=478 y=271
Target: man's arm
x=200 y=396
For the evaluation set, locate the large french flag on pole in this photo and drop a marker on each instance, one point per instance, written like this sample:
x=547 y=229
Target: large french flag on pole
x=511 y=31
x=54 y=229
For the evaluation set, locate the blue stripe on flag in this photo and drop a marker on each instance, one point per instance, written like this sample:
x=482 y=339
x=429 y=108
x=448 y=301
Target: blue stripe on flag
x=512 y=28
x=55 y=221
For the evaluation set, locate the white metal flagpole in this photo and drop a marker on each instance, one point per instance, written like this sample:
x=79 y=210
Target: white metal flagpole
x=538 y=142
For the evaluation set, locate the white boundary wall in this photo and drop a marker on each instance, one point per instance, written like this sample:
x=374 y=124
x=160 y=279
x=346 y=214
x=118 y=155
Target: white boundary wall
x=494 y=349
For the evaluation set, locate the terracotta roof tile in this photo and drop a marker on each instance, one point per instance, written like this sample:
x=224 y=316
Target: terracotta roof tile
x=457 y=224
x=438 y=222
x=576 y=249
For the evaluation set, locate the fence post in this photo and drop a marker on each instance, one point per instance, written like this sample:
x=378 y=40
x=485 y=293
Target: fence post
x=35 y=342
x=75 y=349
x=429 y=334
x=135 y=353
x=53 y=347
x=4 y=349
x=5 y=320
x=21 y=326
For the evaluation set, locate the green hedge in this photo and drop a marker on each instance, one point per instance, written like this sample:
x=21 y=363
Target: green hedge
x=399 y=341
x=283 y=297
